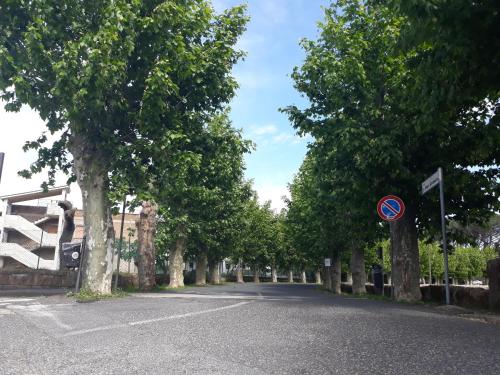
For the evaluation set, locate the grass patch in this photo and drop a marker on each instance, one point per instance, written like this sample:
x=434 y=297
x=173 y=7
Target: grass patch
x=85 y=295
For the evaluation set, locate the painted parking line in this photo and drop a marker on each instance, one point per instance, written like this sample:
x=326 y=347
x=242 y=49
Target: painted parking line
x=15 y=300
x=149 y=321
x=256 y=297
x=191 y=296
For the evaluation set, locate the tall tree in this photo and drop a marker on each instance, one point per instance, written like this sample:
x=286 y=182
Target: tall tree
x=146 y=228
x=114 y=80
x=202 y=199
x=362 y=88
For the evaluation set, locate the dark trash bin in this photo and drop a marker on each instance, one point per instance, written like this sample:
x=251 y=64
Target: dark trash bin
x=71 y=254
x=378 y=278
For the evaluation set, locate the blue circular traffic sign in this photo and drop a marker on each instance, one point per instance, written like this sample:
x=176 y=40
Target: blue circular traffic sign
x=391 y=208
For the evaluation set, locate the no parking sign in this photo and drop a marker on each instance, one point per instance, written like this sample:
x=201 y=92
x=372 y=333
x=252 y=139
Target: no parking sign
x=391 y=208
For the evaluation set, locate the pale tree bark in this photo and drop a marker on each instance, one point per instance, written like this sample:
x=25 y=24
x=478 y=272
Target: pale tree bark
x=358 y=270
x=303 y=277
x=274 y=274
x=336 y=273
x=349 y=278
x=176 y=258
x=327 y=278
x=146 y=227
x=201 y=268
x=256 y=275
x=91 y=170
x=239 y=272
x=214 y=272
x=290 y=276
x=318 y=276
x=405 y=258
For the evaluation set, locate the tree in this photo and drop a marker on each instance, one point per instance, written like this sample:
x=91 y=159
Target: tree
x=146 y=228
x=199 y=192
x=115 y=80
x=365 y=111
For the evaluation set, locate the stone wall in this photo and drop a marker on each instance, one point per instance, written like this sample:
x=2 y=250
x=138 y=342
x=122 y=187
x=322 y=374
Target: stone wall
x=37 y=279
x=493 y=271
x=464 y=296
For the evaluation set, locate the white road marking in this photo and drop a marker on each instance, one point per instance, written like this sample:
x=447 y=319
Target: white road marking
x=141 y=322
x=217 y=296
x=190 y=296
x=41 y=310
x=3 y=300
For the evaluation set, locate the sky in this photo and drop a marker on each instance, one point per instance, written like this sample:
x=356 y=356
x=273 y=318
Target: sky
x=272 y=46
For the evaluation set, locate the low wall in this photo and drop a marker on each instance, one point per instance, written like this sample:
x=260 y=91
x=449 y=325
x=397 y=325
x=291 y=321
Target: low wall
x=464 y=296
x=37 y=279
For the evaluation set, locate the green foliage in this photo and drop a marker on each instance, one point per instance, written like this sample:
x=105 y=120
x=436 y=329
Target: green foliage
x=431 y=252
x=386 y=110
x=128 y=251
x=126 y=77
x=203 y=190
x=259 y=235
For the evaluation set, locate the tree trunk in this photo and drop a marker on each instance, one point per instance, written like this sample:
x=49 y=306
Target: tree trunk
x=349 y=278
x=336 y=272
x=146 y=227
x=290 y=276
x=405 y=258
x=358 y=271
x=201 y=268
x=274 y=274
x=328 y=278
x=90 y=167
x=214 y=272
x=176 y=259
x=239 y=272
x=303 y=277
x=256 y=275
x=318 y=277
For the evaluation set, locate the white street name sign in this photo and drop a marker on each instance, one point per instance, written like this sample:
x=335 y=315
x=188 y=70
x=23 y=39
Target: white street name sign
x=432 y=181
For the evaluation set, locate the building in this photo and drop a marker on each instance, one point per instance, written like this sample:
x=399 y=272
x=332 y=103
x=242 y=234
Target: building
x=31 y=225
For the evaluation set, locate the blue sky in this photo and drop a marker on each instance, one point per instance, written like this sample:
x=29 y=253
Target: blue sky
x=272 y=46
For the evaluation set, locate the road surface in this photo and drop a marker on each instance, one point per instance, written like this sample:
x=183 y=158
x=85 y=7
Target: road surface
x=240 y=329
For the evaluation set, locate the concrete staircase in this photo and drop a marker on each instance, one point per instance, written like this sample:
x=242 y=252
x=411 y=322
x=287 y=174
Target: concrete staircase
x=25 y=257
x=30 y=230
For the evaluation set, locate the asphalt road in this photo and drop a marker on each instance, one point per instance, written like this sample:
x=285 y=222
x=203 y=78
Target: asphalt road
x=240 y=329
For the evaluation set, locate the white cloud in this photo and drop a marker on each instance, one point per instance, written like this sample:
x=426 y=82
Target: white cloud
x=16 y=129
x=269 y=134
x=269 y=191
x=263 y=130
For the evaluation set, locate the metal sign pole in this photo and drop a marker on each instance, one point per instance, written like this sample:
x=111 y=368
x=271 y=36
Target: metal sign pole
x=120 y=243
x=437 y=179
x=82 y=254
x=2 y=156
x=443 y=228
